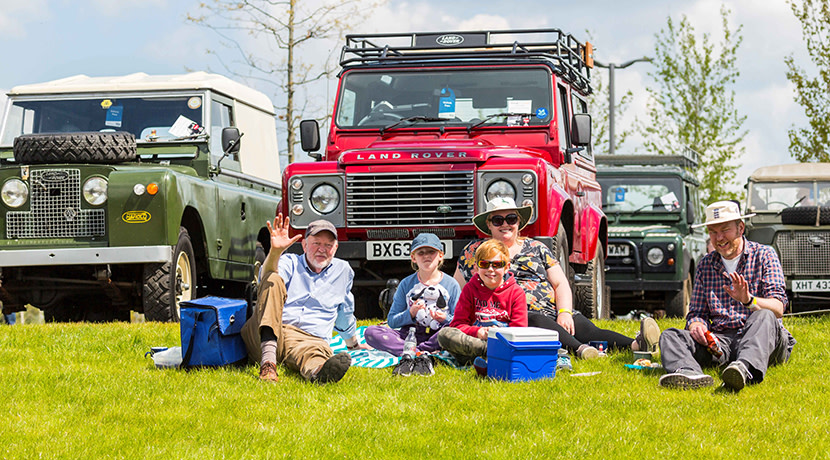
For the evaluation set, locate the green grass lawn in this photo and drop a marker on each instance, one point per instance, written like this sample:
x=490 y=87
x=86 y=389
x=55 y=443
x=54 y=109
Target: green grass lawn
x=87 y=391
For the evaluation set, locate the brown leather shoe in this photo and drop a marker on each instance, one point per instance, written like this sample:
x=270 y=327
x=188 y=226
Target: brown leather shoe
x=268 y=372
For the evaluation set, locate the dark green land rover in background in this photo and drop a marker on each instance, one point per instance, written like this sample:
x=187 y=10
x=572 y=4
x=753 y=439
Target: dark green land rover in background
x=791 y=204
x=133 y=193
x=651 y=202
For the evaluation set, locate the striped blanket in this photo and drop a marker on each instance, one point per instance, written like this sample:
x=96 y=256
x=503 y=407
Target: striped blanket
x=379 y=359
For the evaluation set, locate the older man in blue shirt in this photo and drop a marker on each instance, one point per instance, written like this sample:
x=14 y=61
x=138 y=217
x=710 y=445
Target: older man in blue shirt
x=302 y=299
x=735 y=313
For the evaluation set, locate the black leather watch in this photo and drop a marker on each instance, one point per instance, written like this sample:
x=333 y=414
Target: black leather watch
x=751 y=301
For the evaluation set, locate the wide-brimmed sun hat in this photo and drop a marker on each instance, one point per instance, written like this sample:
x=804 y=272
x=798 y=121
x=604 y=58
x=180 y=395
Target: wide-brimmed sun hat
x=722 y=211
x=502 y=204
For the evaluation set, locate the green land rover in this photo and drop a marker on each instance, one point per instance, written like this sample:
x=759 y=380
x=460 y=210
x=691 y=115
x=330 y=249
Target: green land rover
x=651 y=202
x=133 y=193
x=792 y=214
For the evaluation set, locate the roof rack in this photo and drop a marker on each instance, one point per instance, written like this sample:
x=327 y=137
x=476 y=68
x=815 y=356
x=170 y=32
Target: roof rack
x=573 y=60
x=686 y=159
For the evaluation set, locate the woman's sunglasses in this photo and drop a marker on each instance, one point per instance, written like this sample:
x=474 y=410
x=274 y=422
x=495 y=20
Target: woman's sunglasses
x=511 y=219
x=496 y=264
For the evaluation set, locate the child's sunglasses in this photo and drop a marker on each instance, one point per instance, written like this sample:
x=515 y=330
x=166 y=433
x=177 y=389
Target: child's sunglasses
x=511 y=219
x=496 y=264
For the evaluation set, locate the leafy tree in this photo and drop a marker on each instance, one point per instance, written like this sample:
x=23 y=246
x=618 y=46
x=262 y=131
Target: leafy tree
x=285 y=29
x=693 y=103
x=813 y=143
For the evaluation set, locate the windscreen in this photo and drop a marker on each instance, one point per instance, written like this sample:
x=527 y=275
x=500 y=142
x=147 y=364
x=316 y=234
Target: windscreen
x=640 y=195
x=462 y=97
x=150 y=119
x=775 y=196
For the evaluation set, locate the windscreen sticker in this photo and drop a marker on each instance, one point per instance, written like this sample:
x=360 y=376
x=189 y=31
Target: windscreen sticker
x=446 y=104
x=185 y=127
x=541 y=113
x=114 y=116
x=670 y=201
x=619 y=195
x=106 y=103
x=520 y=106
x=194 y=102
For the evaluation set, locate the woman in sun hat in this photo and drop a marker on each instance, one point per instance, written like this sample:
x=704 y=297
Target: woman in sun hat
x=549 y=297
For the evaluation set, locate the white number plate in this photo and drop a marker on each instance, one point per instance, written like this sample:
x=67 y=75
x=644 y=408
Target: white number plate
x=811 y=285
x=618 y=250
x=397 y=250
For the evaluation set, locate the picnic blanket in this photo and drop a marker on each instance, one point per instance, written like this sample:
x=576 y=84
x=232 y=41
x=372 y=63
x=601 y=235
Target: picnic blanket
x=379 y=359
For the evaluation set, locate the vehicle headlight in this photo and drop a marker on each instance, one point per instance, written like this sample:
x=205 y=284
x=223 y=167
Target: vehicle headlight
x=15 y=193
x=95 y=190
x=501 y=189
x=655 y=256
x=324 y=198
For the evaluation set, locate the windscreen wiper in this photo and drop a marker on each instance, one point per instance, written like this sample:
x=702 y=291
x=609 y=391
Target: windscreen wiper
x=410 y=120
x=495 y=115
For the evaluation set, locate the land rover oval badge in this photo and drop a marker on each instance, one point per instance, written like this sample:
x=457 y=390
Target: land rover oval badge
x=444 y=209
x=54 y=176
x=449 y=40
x=136 y=217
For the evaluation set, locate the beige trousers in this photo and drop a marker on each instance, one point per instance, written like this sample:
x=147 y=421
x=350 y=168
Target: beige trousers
x=296 y=349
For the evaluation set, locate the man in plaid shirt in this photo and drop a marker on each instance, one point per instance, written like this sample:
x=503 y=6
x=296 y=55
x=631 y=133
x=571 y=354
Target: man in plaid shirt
x=735 y=312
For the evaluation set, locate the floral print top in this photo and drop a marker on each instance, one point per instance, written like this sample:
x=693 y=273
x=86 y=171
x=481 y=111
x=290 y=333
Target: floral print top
x=529 y=267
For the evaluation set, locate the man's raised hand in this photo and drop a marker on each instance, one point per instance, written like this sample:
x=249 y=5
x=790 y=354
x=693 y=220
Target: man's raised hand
x=280 y=241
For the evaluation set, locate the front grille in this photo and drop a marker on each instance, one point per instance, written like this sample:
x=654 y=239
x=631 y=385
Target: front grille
x=410 y=199
x=804 y=253
x=55 y=209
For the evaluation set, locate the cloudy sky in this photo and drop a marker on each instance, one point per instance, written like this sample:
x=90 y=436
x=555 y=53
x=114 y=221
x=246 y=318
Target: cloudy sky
x=44 y=40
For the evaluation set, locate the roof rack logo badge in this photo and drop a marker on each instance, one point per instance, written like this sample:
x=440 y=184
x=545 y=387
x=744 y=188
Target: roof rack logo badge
x=450 y=40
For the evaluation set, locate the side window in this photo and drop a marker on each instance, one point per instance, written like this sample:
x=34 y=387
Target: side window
x=563 y=117
x=221 y=116
x=580 y=106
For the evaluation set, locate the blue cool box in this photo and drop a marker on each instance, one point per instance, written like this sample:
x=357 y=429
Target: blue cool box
x=210 y=328
x=522 y=353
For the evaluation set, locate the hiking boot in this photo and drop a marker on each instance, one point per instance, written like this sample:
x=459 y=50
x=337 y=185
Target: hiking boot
x=405 y=366
x=649 y=335
x=423 y=365
x=268 y=372
x=586 y=351
x=333 y=369
x=685 y=379
x=735 y=375
x=459 y=343
x=480 y=365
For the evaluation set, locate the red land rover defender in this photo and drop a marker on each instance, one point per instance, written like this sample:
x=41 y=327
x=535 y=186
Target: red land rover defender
x=428 y=127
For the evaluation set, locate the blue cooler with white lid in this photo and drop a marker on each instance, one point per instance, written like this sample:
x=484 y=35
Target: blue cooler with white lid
x=522 y=353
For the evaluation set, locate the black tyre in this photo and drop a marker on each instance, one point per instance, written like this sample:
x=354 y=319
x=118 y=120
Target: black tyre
x=590 y=298
x=252 y=287
x=86 y=147
x=561 y=252
x=167 y=284
x=806 y=215
x=677 y=303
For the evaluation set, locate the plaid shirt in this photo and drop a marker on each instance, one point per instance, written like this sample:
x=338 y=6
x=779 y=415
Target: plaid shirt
x=712 y=305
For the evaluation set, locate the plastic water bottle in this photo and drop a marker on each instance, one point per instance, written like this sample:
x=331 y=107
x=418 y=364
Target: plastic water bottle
x=410 y=344
x=169 y=358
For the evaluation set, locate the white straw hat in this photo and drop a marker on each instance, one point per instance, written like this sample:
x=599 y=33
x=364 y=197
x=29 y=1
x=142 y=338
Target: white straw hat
x=722 y=211
x=502 y=204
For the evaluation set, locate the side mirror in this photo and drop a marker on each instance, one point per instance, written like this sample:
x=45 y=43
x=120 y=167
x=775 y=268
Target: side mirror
x=690 y=212
x=230 y=142
x=581 y=129
x=309 y=135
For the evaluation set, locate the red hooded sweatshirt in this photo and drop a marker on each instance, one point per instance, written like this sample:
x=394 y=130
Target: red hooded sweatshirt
x=479 y=306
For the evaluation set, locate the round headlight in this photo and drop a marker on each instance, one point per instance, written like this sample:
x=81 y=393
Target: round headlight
x=15 y=193
x=95 y=190
x=501 y=189
x=655 y=256
x=324 y=198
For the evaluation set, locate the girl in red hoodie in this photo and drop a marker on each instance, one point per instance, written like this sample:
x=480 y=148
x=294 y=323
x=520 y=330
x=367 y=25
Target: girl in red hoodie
x=489 y=300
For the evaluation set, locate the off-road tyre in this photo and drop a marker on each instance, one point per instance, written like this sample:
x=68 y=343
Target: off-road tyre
x=677 y=303
x=561 y=253
x=167 y=284
x=84 y=147
x=590 y=298
x=805 y=215
x=253 y=286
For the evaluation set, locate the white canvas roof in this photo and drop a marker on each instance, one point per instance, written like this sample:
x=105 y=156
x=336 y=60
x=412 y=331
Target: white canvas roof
x=792 y=172
x=142 y=82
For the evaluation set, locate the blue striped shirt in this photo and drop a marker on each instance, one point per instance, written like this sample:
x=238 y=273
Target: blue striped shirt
x=318 y=303
x=713 y=306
